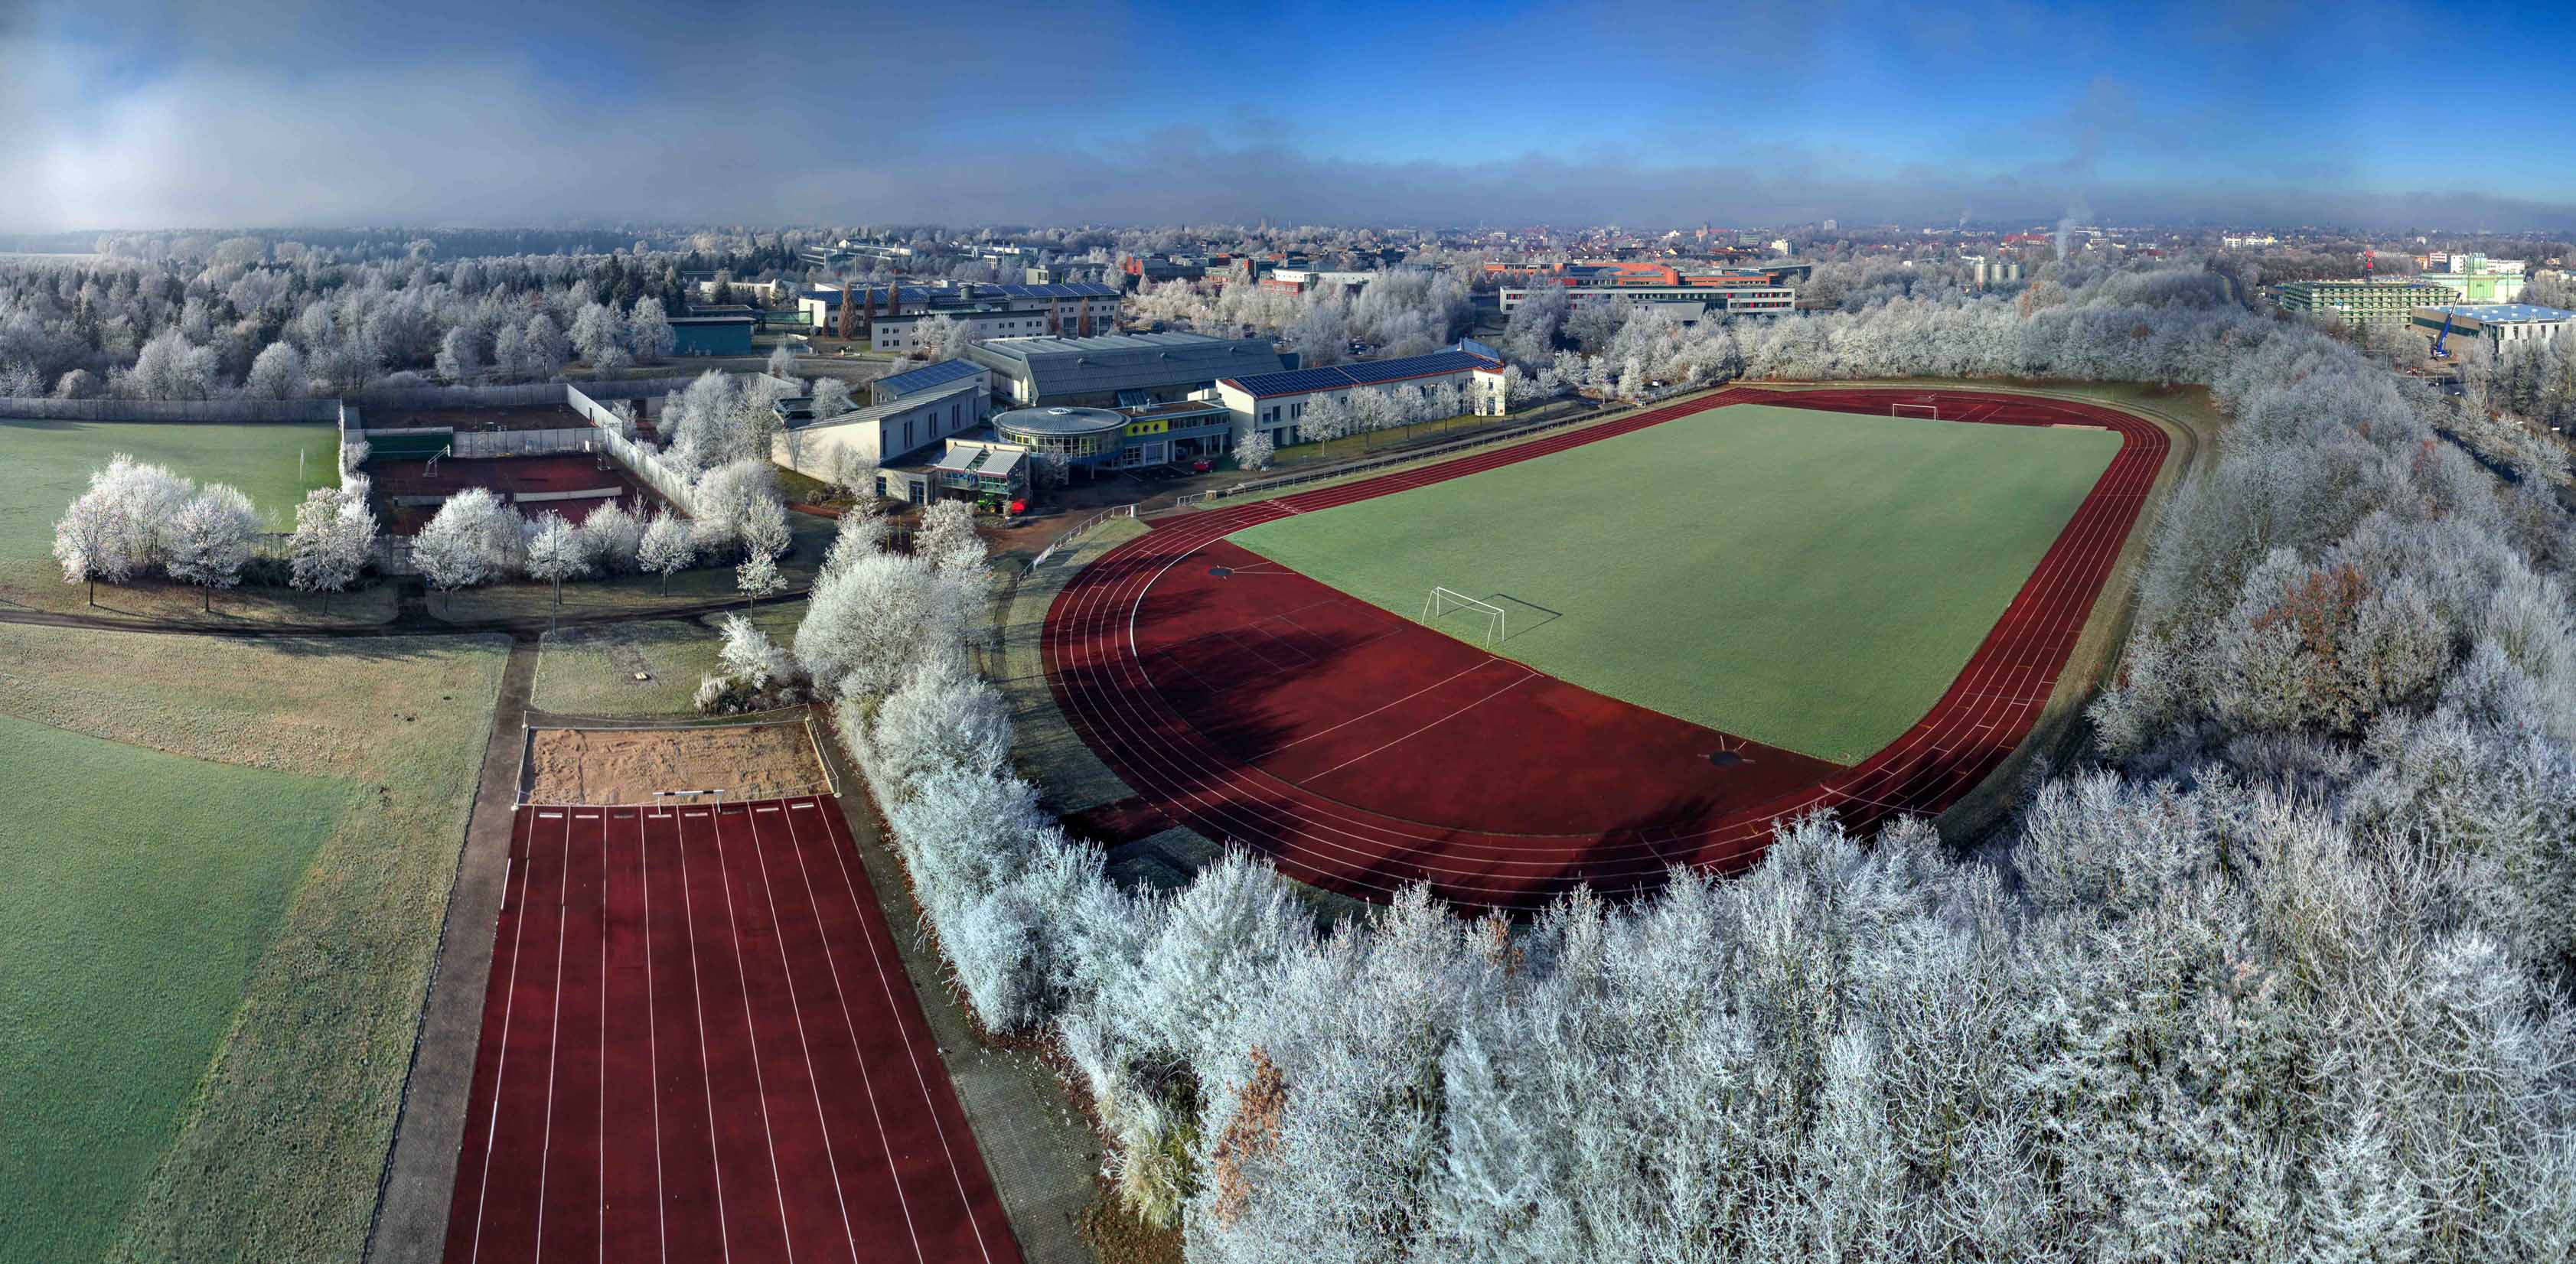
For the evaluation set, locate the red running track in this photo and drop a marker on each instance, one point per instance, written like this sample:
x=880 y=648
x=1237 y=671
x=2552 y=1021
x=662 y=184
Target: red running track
x=1362 y=751
x=699 y=1044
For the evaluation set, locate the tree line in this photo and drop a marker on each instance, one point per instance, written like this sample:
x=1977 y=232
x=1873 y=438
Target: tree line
x=2278 y=971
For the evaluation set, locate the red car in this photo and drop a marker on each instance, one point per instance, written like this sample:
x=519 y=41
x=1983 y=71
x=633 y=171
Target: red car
x=1201 y=467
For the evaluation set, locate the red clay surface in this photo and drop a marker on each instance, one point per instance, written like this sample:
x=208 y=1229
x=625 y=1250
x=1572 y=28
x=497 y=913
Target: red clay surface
x=698 y=1044
x=1362 y=751
x=509 y=477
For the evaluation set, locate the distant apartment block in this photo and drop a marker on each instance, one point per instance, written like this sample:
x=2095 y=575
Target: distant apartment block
x=2360 y=303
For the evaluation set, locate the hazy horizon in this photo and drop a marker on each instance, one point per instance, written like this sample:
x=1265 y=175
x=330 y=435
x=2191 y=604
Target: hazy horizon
x=139 y=116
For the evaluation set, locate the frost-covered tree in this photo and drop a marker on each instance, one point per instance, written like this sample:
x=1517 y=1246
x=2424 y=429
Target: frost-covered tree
x=472 y=539
x=599 y=334
x=855 y=473
x=88 y=542
x=554 y=553
x=947 y=538
x=335 y=538
x=460 y=355
x=870 y=624
x=750 y=656
x=831 y=397
x=648 y=331
x=211 y=539
x=277 y=373
x=611 y=537
x=172 y=367
x=668 y=547
x=1253 y=451
x=732 y=498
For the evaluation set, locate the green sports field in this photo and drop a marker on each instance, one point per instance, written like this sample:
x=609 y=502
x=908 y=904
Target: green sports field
x=49 y=462
x=132 y=921
x=1806 y=579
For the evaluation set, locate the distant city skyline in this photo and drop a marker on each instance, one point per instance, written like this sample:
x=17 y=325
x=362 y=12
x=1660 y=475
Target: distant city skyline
x=122 y=115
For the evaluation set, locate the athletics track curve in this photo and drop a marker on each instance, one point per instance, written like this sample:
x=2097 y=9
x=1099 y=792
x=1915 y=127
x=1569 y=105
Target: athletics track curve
x=1132 y=705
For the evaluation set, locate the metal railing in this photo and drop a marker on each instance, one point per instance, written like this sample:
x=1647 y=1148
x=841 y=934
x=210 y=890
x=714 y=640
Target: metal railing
x=1080 y=529
x=1446 y=449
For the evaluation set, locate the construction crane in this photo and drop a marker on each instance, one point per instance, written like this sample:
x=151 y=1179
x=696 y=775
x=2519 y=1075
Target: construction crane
x=2442 y=337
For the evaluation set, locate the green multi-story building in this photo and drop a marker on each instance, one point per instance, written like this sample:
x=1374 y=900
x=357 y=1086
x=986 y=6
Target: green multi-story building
x=2362 y=302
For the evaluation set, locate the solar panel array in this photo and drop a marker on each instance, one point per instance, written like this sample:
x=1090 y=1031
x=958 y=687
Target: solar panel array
x=931 y=375
x=1076 y=289
x=1363 y=373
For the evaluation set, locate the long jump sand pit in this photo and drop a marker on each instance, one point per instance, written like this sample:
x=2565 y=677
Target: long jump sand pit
x=736 y=762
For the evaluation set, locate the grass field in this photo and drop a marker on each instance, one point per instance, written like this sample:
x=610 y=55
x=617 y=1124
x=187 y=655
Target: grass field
x=590 y=671
x=273 y=1143
x=1809 y=580
x=133 y=921
x=47 y=463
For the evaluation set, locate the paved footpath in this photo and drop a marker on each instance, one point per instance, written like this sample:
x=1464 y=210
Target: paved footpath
x=411 y=1214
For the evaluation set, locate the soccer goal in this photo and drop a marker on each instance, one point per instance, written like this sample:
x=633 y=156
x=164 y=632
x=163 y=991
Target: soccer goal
x=1444 y=602
x=1932 y=411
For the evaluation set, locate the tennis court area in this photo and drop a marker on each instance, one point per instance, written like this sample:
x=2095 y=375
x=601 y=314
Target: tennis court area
x=699 y=1044
x=1809 y=580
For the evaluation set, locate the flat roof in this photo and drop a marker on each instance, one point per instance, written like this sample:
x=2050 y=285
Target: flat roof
x=1361 y=373
x=871 y=412
x=2503 y=313
x=928 y=376
x=1178 y=408
x=1110 y=363
x=1059 y=421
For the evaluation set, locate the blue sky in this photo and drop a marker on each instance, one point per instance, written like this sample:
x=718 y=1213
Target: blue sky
x=120 y=114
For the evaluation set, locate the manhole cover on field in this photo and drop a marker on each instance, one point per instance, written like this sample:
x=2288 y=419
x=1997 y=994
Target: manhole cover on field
x=1725 y=759
x=1220 y=571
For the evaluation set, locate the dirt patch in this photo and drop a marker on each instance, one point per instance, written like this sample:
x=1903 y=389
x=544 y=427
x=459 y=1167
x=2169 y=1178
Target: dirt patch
x=742 y=761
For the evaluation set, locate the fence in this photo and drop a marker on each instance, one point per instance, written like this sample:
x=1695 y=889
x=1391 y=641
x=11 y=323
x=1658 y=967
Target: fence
x=1418 y=454
x=645 y=465
x=490 y=443
x=206 y=411
x=1080 y=529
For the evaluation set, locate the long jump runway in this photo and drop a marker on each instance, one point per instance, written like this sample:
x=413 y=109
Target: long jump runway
x=699 y=1044
x=1361 y=752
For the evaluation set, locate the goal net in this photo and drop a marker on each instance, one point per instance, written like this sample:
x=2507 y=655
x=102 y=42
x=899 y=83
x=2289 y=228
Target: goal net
x=1932 y=411
x=1446 y=602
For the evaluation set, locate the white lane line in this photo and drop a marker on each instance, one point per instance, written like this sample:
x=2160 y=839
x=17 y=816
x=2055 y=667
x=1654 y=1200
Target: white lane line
x=751 y=1034
x=652 y=1052
x=1398 y=702
x=813 y=1078
x=509 y=1004
x=894 y=1014
x=554 y=1041
x=1425 y=728
x=706 y=1068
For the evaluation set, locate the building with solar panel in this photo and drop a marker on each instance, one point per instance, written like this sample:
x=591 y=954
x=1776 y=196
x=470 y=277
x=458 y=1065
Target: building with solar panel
x=1080 y=307
x=1273 y=403
x=893 y=428
x=1118 y=371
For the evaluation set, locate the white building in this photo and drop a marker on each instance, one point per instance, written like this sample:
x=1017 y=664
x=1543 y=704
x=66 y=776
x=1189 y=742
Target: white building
x=888 y=432
x=1273 y=403
x=902 y=334
x=1729 y=300
x=2481 y=333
